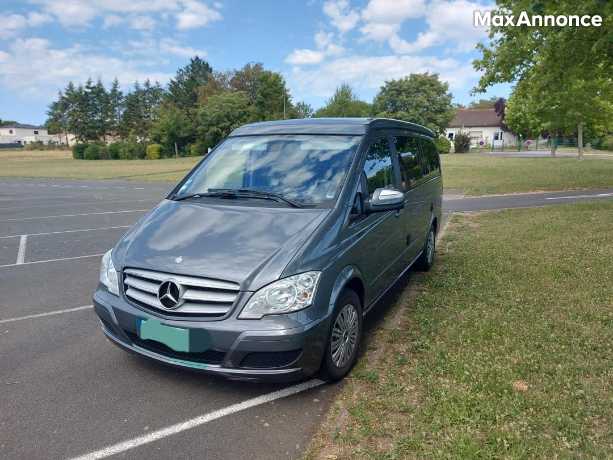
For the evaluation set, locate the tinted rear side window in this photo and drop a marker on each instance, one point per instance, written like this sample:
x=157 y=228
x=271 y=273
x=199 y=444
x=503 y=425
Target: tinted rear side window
x=432 y=165
x=407 y=148
x=378 y=168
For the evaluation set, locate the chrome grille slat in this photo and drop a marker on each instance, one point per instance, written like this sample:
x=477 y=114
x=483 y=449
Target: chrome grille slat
x=208 y=296
x=212 y=298
x=142 y=285
x=185 y=280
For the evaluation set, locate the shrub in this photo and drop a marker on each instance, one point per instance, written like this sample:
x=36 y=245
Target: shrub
x=132 y=150
x=154 y=152
x=114 y=150
x=78 y=151
x=606 y=143
x=197 y=149
x=461 y=143
x=95 y=152
x=442 y=145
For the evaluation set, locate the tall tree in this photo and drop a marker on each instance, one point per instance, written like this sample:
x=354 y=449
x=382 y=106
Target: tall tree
x=419 y=98
x=222 y=113
x=183 y=89
x=114 y=108
x=272 y=99
x=57 y=117
x=247 y=79
x=566 y=71
x=303 y=110
x=344 y=103
x=172 y=128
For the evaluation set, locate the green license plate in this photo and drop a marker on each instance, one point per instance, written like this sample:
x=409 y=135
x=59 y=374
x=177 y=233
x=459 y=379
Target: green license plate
x=176 y=338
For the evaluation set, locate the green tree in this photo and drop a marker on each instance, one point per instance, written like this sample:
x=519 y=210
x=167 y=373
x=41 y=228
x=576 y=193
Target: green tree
x=272 y=99
x=418 y=98
x=183 y=89
x=172 y=127
x=521 y=114
x=303 y=110
x=344 y=103
x=57 y=117
x=565 y=72
x=484 y=103
x=247 y=79
x=222 y=113
x=114 y=108
x=141 y=107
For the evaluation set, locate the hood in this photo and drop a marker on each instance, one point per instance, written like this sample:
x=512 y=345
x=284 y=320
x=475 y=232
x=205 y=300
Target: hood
x=245 y=244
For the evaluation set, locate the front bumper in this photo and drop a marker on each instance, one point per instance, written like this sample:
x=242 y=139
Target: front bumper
x=236 y=349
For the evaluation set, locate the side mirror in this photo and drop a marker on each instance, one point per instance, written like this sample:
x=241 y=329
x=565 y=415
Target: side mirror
x=385 y=199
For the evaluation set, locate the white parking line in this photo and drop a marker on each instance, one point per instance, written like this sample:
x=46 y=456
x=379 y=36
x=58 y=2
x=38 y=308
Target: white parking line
x=50 y=260
x=41 y=315
x=201 y=420
x=74 y=215
x=21 y=252
x=68 y=231
x=82 y=203
x=574 y=197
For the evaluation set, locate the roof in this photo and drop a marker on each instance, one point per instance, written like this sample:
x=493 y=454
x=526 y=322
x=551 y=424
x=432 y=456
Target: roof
x=351 y=126
x=22 y=126
x=470 y=118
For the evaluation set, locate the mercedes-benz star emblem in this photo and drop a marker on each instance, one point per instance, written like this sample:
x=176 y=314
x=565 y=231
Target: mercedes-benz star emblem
x=169 y=294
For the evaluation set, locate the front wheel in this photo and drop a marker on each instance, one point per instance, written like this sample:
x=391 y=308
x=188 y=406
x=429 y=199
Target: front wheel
x=344 y=339
x=426 y=260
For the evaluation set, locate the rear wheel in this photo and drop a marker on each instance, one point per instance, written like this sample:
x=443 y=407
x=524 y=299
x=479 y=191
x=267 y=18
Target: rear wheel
x=344 y=339
x=426 y=260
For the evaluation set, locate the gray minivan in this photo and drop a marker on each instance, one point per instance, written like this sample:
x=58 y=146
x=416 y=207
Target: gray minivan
x=263 y=260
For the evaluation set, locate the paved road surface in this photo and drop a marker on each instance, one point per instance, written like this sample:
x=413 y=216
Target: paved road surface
x=67 y=392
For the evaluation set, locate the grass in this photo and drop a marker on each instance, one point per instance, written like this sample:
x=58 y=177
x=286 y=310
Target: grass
x=504 y=350
x=481 y=175
x=60 y=164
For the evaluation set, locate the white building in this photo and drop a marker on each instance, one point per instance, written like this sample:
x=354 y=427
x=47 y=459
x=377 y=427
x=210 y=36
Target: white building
x=484 y=126
x=23 y=134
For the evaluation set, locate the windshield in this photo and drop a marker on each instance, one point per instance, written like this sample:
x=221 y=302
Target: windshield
x=308 y=169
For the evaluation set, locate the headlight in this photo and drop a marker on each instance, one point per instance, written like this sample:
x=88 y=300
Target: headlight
x=284 y=296
x=108 y=274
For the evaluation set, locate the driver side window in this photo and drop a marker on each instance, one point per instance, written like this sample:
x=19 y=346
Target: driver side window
x=378 y=167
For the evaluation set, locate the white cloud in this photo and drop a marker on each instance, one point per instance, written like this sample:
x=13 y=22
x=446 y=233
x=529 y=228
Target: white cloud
x=305 y=57
x=449 y=22
x=26 y=67
x=196 y=14
x=13 y=24
x=112 y=20
x=367 y=73
x=383 y=18
x=341 y=15
x=80 y=13
x=173 y=47
x=142 y=23
x=325 y=47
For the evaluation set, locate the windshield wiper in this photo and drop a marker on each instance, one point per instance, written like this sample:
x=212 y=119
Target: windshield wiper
x=248 y=192
x=240 y=192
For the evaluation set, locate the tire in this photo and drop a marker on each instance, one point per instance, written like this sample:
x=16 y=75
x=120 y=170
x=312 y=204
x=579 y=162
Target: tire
x=426 y=259
x=346 y=320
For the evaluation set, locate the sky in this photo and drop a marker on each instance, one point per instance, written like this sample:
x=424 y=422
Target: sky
x=315 y=44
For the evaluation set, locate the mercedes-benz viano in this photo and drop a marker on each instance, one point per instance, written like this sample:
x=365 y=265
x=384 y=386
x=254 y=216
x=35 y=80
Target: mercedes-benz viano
x=263 y=260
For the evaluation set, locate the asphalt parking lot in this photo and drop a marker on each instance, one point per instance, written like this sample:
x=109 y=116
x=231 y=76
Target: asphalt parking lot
x=67 y=392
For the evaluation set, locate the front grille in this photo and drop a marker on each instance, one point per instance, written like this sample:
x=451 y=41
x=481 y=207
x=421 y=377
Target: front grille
x=201 y=296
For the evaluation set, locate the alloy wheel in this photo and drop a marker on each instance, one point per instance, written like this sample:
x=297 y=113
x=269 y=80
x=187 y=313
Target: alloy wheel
x=344 y=335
